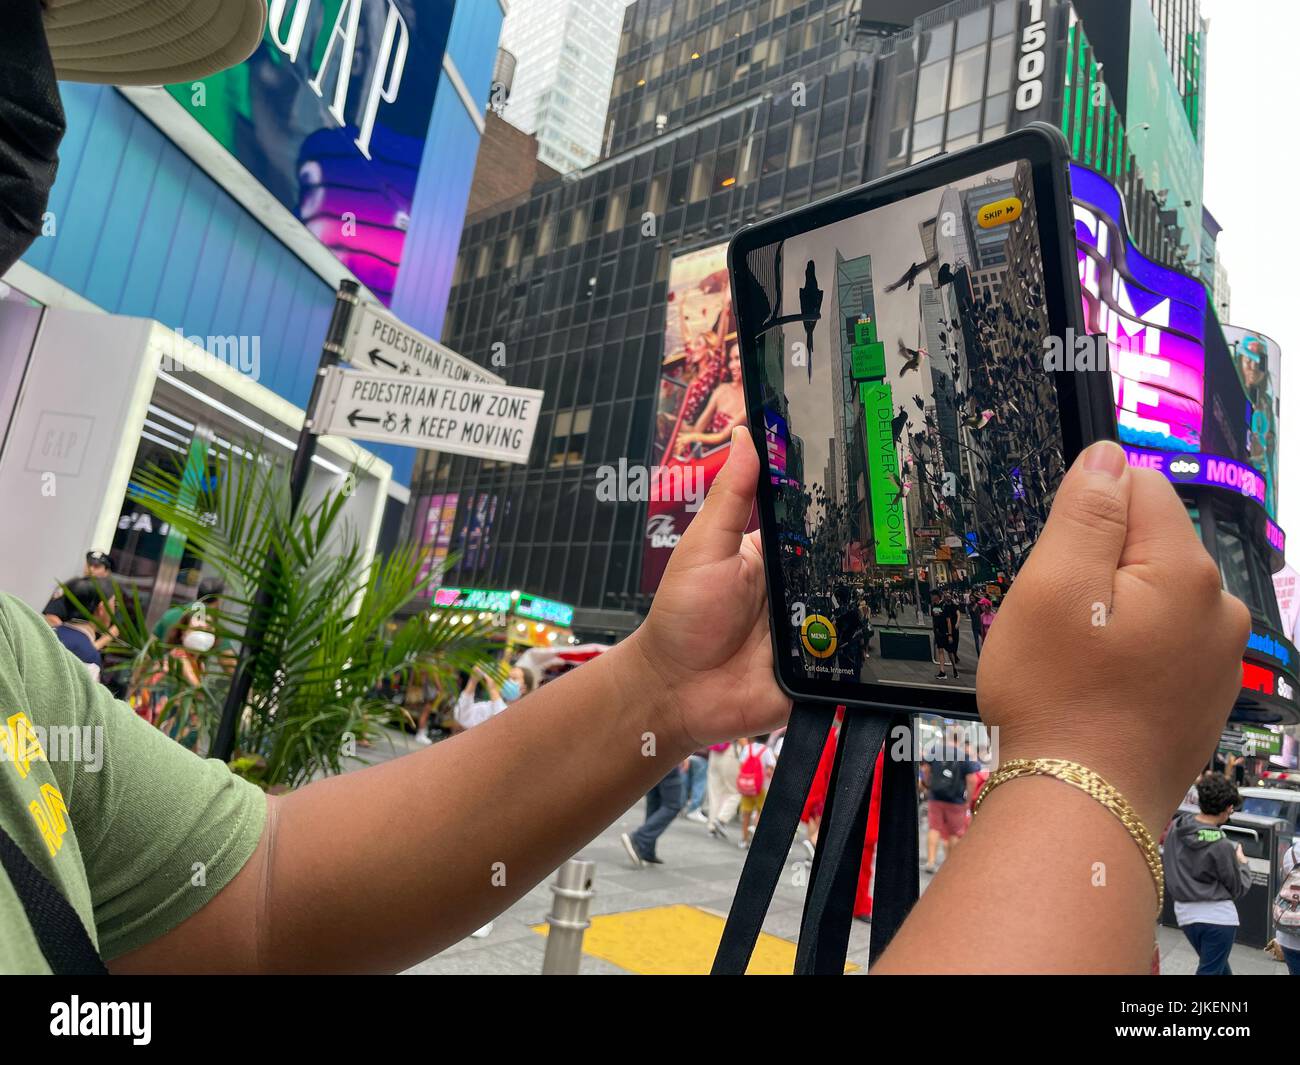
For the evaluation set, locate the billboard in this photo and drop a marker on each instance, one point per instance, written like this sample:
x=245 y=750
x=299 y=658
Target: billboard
x=700 y=401
x=439 y=519
x=1214 y=471
x=1257 y=360
x=1153 y=319
x=888 y=519
x=330 y=115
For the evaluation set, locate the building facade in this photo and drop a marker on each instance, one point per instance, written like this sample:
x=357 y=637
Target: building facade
x=225 y=213
x=600 y=287
x=564 y=53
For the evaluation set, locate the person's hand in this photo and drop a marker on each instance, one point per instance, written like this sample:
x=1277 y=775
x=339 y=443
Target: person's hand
x=1241 y=855
x=1116 y=647
x=706 y=638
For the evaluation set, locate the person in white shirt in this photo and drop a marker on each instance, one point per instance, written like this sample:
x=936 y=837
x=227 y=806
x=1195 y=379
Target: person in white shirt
x=470 y=711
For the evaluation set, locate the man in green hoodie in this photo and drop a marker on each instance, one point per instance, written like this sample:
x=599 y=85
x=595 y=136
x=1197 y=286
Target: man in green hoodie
x=1205 y=874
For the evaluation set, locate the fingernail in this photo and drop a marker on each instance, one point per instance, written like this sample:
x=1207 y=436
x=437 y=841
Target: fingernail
x=1105 y=457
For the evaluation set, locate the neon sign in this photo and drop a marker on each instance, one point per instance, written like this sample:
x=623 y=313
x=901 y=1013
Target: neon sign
x=1153 y=319
x=1186 y=467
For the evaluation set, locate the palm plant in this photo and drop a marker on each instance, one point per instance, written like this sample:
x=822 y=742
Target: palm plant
x=328 y=637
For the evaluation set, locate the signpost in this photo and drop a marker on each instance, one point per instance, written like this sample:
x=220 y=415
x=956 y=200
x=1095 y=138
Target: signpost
x=377 y=342
x=490 y=421
x=413 y=392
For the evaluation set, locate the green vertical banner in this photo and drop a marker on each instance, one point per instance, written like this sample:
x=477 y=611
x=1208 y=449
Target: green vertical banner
x=887 y=517
x=196 y=471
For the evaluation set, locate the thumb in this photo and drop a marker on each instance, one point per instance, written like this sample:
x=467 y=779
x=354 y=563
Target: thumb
x=1088 y=525
x=718 y=528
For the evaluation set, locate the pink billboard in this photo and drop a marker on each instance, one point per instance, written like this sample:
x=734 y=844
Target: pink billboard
x=1154 y=321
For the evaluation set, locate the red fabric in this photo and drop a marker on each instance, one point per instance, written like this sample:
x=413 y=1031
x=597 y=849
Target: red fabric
x=816 y=801
x=862 y=901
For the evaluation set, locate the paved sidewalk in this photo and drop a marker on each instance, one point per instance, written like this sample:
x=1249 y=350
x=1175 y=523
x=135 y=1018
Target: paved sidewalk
x=660 y=907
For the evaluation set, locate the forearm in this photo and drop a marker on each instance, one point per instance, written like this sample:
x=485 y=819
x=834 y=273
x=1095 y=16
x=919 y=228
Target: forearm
x=379 y=869
x=1023 y=894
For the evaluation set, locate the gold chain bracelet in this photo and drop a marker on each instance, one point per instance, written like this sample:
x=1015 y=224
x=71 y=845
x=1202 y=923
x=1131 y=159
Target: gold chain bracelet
x=1086 y=780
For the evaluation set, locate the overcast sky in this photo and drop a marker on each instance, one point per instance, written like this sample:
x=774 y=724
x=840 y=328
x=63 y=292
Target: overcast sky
x=1252 y=74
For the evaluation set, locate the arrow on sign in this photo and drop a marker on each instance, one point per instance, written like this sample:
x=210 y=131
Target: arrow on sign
x=355 y=417
x=376 y=359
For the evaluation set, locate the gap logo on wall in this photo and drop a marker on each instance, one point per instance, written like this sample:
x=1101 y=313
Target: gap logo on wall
x=330 y=115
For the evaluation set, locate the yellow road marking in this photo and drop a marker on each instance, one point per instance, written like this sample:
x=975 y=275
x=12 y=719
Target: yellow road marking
x=675 y=940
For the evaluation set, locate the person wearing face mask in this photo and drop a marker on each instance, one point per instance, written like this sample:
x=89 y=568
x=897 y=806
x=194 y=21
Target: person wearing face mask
x=470 y=711
x=189 y=644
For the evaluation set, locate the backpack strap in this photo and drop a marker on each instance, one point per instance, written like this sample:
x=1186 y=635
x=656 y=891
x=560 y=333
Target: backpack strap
x=58 y=929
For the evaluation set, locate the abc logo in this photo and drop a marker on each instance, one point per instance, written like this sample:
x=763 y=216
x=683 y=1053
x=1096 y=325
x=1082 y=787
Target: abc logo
x=1184 y=467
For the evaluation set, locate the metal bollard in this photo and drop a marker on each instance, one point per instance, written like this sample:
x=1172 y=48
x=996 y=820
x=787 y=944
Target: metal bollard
x=571 y=901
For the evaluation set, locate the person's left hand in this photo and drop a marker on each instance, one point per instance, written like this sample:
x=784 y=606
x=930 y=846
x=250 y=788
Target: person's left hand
x=707 y=636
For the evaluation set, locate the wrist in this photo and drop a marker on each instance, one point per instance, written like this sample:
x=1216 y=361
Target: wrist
x=1113 y=761
x=645 y=688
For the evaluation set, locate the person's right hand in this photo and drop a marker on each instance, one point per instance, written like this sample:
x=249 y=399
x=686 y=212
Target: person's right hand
x=1116 y=647
x=1241 y=855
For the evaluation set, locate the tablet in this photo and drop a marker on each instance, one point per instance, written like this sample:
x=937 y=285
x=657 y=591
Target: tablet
x=918 y=378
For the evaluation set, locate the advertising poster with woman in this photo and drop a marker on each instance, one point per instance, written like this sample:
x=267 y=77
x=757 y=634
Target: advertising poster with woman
x=700 y=401
x=1258 y=362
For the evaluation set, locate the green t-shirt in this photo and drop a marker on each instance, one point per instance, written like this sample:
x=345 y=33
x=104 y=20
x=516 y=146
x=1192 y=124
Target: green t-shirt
x=137 y=843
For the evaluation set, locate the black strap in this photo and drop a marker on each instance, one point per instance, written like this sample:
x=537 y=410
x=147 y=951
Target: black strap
x=898 y=883
x=804 y=739
x=828 y=906
x=58 y=929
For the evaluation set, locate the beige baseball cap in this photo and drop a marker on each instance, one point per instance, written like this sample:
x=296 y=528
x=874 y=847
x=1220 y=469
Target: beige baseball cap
x=150 y=42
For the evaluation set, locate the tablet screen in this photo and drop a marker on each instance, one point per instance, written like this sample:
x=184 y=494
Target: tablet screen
x=912 y=431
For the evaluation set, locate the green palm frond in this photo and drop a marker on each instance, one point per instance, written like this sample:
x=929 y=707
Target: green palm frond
x=328 y=640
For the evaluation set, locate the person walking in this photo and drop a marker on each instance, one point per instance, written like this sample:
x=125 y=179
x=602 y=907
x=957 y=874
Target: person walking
x=948 y=785
x=944 y=620
x=975 y=611
x=696 y=770
x=662 y=803
x=1205 y=874
x=1286 y=910
x=756 y=765
x=723 y=798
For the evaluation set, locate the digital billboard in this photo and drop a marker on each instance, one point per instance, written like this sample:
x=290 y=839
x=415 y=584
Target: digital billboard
x=1215 y=471
x=440 y=518
x=1153 y=319
x=700 y=401
x=330 y=115
x=1258 y=362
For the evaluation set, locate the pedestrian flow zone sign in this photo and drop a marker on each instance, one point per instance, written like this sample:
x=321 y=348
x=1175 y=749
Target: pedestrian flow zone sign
x=377 y=342
x=486 y=420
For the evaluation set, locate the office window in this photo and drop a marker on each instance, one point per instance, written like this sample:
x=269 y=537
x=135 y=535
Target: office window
x=962 y=122
x=801 y=142
x=1000 y=65
x=967 y=77
x=774 y=149
x=931 y=90
x=972 y=29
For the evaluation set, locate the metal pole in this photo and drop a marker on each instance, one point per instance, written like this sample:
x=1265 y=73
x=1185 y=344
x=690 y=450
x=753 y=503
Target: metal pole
x=571 y=902
x=223 y=744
